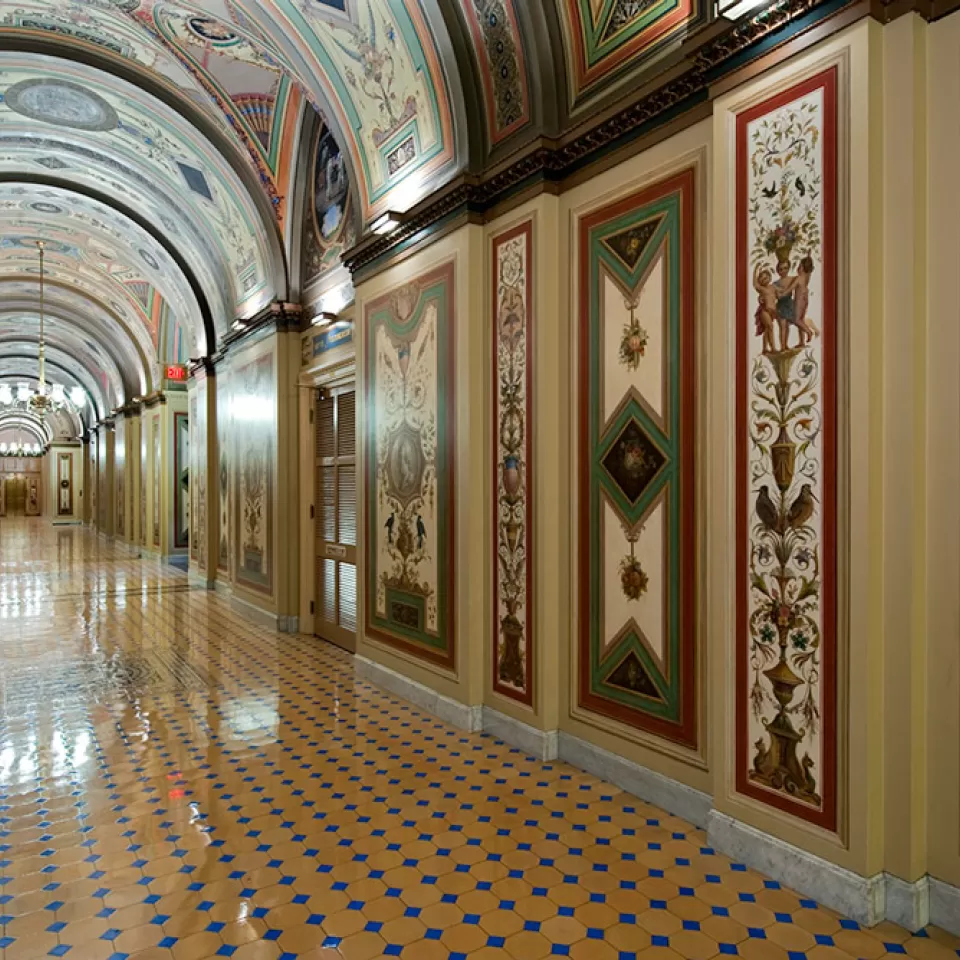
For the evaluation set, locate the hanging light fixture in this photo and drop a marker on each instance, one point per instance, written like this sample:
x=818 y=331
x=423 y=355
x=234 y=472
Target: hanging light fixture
x=48 y=397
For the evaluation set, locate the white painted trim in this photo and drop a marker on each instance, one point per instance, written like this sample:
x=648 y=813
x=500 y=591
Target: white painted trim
x=445 y=708
x=945 y=905
x=907 y=904
x=861 y=898
x=676 y=798
x=542 y=744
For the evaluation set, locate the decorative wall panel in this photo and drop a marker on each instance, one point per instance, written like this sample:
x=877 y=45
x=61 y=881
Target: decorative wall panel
x=119 y=473
x=499 y=46
x=181 y=480
x=608 y=35
x=34 y=506
x=410 y=466
x=513 y=643
x=223 y=472
x=65 y=485
x=143 y=482
x=787 y=450
x=637 y=387
x=198 y=465
x=157 y=473
x=255 y=429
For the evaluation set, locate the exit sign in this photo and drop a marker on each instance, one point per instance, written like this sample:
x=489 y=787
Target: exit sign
x=176 y=371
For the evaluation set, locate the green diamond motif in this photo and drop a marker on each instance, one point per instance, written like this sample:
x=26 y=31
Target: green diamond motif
x=633 y=461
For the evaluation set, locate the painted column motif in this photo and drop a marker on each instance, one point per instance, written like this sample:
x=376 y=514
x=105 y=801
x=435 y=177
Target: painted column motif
x=224 y=415
x=255 y=420
x=513 y=448
x=157 y=470
x=409 y=464
x=787 y=450
x=64 y=484
x=637 y=396
x=198 y=487
x=181 y=480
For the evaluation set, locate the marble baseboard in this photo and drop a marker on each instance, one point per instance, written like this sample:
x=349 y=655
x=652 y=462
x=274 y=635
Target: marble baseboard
x=674 y=797
x=542 y=744
x=945 y=905
x=861 y=898
x=905 y=903
x=445 y=708
x=263 y=618
x=288 y=624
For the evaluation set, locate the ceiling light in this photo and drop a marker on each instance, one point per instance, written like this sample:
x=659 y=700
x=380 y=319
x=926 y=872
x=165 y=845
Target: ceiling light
x=77 y=397
x=24 y=393
x=3 y=448
x=735 y=9
x=386 y=223
x=58 y=394
x=6 y=394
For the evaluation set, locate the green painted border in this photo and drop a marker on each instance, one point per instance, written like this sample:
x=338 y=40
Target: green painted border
x=667 y=236
x=438 y=291
x=594 y=30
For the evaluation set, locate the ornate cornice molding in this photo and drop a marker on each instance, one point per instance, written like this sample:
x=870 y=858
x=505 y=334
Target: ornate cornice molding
x=552 y=161
x=278 y=315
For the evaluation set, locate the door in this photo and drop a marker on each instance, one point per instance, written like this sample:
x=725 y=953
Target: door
x=335 y=614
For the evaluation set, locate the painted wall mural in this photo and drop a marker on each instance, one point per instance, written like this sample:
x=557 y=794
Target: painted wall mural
x=787 y=451
x=34 y=506
x=64 y=484
x=181 y=481
x=223 y=471
x=499 y=46
x=157 y=471
x=513 y=642
x=410 y=467
x=637 y=391
x=606 y=35
x=119 y=474
x=144 y=440
x=329 y=226
x=254 y=435
x=198 y=449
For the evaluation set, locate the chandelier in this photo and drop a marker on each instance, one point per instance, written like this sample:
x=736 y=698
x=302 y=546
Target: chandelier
x=48 y=397
x=21 y=449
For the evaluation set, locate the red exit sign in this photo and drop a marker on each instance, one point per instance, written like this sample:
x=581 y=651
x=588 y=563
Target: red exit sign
x=176 y=372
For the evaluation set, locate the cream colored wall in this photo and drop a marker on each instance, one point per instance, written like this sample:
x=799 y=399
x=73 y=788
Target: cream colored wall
x=106 y=490
x=52 y=491
x=938 y=595
x=466 y=249
x=132 y=478
x=176 y=402
x=691 y=147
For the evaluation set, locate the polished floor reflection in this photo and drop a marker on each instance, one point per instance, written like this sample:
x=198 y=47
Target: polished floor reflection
x=176 y=782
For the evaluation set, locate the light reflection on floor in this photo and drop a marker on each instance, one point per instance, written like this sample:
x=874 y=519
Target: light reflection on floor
x=176 y=782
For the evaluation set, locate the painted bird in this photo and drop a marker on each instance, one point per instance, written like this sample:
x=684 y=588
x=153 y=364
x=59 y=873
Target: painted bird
x=800 y=187
x=801 y=510
x=766 y=511
x=770 y=191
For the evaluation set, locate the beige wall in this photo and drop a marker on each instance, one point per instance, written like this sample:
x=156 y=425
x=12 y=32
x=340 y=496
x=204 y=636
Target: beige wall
x=465 y=249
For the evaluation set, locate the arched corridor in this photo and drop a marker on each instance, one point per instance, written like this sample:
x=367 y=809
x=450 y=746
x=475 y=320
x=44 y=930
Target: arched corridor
x=178 y=782
x=486 y=471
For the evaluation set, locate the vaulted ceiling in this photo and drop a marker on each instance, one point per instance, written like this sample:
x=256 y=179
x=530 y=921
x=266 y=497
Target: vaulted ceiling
x=188 y=163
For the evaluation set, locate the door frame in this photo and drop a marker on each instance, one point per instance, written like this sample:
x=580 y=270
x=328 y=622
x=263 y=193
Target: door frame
x=332 y=370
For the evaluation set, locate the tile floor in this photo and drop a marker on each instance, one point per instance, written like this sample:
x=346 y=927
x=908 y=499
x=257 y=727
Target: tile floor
x=178 y=783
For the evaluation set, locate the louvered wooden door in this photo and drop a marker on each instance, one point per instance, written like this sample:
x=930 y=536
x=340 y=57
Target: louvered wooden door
x=335 y=615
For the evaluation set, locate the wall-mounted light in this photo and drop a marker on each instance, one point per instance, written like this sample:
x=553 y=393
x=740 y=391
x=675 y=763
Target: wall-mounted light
x=735 y=9
x=387 y=222
x=324 y=319
x=239 y=325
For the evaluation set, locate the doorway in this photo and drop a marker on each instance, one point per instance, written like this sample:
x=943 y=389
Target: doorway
x=15 y=496
x=335 y=617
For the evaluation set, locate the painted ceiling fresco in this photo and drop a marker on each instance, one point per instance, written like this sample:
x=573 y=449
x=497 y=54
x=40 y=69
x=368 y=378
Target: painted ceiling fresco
x=96 y=370
x=329 y=222
x=105 y=333
x=604 y=36
x=95 y=130
x=371 y=67
x=86 y=232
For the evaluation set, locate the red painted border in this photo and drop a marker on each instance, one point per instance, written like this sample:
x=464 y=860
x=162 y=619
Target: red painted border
x=827 y=816
x=177 y=495
x=524 y=229
x=496 y=136
x=684 y=732
x=588 y=75
x=448 y=398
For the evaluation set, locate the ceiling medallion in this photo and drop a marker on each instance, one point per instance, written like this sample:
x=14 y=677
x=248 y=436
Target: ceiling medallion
x=61 y=103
